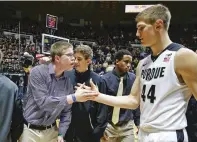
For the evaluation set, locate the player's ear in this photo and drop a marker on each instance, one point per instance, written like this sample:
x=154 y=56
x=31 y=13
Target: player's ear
x=159 y=24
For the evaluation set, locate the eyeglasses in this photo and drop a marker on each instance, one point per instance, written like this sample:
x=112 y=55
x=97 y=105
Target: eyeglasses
x=70 y=55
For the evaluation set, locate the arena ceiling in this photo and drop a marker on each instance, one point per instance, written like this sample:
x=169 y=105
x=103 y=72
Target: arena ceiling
x=97 y=10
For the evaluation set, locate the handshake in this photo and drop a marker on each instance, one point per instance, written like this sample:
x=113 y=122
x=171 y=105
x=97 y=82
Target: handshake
x=84 y=93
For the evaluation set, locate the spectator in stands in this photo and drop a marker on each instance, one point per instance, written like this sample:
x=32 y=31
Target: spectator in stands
x=89 y=119
x=48 y=97
x=11 y=120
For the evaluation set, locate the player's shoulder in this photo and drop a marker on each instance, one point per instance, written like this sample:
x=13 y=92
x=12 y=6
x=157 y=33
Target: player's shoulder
x=183 y=52
x=175 y=47
x=184 y=57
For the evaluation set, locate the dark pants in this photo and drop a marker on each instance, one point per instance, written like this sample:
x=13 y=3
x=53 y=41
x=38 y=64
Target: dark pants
x=192 y=120
x=192 y=133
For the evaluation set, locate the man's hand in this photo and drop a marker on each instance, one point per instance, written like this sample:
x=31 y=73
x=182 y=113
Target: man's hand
x=92 y=87
x=82 y=94
x=60 y=139
x=105 y=138
x=137 y=130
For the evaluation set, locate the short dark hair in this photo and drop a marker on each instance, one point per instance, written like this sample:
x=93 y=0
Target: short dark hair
x=119 y=55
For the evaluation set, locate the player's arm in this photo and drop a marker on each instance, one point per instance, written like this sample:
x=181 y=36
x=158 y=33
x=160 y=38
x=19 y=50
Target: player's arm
x=186 y=67
x=131 y=101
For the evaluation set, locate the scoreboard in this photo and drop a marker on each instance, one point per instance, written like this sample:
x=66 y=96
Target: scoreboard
x=51 y=21
x=135 y=8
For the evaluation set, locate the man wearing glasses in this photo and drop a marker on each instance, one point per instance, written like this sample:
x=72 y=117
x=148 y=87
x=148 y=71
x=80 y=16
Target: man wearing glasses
x=49 y=96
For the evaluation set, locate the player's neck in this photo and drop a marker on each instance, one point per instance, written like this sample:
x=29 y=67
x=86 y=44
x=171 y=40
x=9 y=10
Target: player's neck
x=162 y=43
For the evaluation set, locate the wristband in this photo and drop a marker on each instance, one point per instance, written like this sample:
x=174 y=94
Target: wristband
x=74 y=98
x=59 y=134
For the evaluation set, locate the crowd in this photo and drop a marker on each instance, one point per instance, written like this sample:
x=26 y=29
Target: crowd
x=107 y=42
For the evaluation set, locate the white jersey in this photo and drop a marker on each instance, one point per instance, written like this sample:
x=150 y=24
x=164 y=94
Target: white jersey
x=164 y=99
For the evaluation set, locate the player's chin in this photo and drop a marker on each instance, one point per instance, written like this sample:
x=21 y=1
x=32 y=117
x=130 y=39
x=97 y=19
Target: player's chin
x=145 y=44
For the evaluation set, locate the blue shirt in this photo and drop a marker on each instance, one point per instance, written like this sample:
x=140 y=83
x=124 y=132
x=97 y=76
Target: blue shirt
x=47 y=98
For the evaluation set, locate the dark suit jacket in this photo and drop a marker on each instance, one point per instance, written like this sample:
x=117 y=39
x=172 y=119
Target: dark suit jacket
x=112 y=80
x=89 y=119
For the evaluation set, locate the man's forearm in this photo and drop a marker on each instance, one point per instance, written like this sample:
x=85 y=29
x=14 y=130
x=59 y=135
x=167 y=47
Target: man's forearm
x=127 y=102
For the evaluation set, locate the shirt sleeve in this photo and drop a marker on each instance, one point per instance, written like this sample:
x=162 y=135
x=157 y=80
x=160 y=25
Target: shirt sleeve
x=41 y=95
x=65 y=116
x=65 y=120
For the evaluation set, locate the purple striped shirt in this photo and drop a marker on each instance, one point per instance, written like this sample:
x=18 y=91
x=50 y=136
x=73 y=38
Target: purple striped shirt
x=46 y=98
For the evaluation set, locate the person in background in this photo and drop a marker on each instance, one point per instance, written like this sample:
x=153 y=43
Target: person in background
x=89 y=119
x=119 y=82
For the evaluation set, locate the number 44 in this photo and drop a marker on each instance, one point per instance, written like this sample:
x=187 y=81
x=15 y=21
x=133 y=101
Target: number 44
x=150 y=95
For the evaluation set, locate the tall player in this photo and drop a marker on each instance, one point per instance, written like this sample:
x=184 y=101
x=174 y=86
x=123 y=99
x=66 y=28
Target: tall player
x=164 y=81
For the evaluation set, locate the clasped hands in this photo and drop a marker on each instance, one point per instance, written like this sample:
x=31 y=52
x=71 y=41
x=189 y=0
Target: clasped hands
x=84 y=93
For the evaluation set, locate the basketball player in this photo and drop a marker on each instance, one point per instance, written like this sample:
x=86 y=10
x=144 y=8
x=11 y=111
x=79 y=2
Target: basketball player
x=164 y=81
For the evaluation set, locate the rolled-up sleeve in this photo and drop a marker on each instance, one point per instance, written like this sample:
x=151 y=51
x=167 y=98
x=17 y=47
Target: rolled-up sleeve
x=41 y=96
